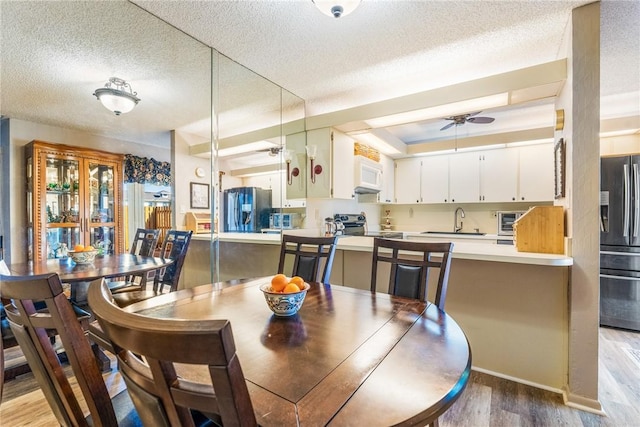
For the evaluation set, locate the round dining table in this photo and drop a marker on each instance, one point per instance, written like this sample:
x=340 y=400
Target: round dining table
x=348 y=357
x=106 y=266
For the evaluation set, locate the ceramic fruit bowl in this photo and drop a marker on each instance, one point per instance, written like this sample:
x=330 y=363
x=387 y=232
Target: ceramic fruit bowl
x=284 y=304
x=83 y=257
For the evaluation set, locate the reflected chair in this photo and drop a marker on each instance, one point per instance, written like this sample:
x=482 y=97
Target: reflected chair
x=410 y=264
x=174 y=246
x=308 y=254
x=148 y=350
x=144 y=244
x=31 y=328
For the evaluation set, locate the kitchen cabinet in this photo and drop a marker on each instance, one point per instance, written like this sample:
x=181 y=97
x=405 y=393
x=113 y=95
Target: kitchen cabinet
x=74 y=196
x=536 y=180
x=407 y=180
x=434 y=179
x=499 y=175
x=387 y=194
x=331 y=175
x=464 y=177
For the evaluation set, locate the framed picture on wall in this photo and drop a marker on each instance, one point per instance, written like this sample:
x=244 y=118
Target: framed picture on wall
x=559 y=157
x=199 y=195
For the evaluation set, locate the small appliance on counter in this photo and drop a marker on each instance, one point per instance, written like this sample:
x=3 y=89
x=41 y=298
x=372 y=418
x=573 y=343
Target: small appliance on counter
x=506 y=219
x=285 y=221
x=356 y=225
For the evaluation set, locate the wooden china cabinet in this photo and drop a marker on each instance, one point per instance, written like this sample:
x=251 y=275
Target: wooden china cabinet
x=74 y=196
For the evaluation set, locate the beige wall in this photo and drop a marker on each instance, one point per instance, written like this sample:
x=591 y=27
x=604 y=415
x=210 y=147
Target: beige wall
x=620 y=145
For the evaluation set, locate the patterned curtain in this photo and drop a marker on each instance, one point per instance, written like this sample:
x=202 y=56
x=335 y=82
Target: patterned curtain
x=146 y=171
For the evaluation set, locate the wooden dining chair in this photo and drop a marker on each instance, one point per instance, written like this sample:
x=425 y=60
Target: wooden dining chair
x=410 y=263
x=30 y=327
x=174 y=247
x=308 y=255
x=144 y=244
x=148 y=350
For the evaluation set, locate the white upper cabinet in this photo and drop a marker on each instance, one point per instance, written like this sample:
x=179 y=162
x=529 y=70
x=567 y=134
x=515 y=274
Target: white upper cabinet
x=387 y=194
x=512 y=174
x=407 y=181
x=536 y=173
x=434 y=179
x=499 y=175
x=464 y=177
x=332 y=173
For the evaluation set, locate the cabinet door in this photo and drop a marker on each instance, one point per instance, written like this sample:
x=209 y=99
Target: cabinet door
x=464 y=177
x=499 y=175
x=62 y=201
x=342 y=166
x=536 y=173
x=407 y=181
x=102 y=195
x=435 y=179
x=388 y=169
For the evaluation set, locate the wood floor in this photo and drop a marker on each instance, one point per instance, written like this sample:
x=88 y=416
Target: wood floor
x=487 y=400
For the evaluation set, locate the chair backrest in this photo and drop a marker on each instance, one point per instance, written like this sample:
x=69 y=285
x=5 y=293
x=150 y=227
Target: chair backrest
x=410 y=263
x=174 y=246
x=308 y=253
x=31 y=326
x=145 y=241
x=147 y=351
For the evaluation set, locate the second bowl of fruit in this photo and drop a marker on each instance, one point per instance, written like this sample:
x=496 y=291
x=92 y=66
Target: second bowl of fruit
x=285 y=295
x=83 y=254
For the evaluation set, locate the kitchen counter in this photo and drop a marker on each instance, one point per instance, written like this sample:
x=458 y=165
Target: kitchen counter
x=472 y=247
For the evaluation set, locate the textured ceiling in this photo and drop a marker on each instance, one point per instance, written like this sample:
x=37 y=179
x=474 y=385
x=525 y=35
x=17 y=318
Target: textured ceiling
x=55 y=54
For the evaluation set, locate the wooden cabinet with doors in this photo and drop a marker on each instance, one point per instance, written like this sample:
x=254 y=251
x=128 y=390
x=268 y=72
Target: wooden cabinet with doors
x=74 y=196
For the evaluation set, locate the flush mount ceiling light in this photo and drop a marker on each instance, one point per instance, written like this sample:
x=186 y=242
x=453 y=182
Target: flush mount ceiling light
x=117 y=96
x=336 y=8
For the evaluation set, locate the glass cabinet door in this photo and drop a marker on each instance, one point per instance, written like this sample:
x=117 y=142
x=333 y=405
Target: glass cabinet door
x=62 y=206
x=101 y=202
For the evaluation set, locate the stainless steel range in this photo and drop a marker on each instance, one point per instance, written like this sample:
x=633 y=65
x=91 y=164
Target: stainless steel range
x=356 y=225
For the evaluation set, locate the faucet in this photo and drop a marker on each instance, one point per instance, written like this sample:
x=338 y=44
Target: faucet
x=456 y=229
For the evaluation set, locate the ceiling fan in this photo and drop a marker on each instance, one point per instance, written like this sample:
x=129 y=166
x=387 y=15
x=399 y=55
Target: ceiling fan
x=273 y=151
x=464 y=118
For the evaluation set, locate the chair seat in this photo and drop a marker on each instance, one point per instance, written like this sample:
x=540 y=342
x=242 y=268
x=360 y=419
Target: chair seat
x=123 y=299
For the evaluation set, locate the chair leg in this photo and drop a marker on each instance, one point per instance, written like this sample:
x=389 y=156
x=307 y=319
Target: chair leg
x=434 y=423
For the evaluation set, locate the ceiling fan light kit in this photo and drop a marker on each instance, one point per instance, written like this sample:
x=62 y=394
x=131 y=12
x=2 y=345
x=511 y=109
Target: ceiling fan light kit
x=117 y=96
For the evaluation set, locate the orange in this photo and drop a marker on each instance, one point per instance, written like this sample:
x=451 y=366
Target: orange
x=78 y=248
x=88 y=248
x=291 y=288
x=299 y=281
x=278 y=282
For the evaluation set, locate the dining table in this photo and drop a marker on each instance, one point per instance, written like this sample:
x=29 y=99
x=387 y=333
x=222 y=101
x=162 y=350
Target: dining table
x=347 y=357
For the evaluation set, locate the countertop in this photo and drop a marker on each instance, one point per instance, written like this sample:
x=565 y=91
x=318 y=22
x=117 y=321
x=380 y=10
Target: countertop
x=465 y=247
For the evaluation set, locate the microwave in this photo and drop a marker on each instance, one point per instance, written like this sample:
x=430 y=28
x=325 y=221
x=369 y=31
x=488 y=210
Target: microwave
x=285 y=221
x=506 y=220
x=368 y=175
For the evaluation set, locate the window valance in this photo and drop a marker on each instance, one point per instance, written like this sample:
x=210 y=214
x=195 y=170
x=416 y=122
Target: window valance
x=142 y=170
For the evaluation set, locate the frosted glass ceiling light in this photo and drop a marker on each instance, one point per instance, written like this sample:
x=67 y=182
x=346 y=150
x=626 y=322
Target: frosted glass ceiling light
x=336 y=8
x=117 y=96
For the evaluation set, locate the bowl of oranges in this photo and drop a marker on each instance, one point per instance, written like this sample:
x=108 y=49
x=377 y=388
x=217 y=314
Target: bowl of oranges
x=83 y=254
x=285 y=295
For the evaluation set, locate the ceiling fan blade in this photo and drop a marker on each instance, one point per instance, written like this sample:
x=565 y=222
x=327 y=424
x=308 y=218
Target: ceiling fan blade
x=480 y=119
x=473 y=114
x=448 y=126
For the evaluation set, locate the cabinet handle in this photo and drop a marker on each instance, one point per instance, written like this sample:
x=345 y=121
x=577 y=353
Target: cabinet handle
x=513 y=198
x=523 y=198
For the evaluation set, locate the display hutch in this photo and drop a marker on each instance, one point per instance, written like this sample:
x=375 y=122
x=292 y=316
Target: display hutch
x=74 y=196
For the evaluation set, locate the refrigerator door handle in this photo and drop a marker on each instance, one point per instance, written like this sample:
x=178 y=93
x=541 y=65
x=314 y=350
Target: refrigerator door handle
x=636 y=201
x=627 y=201
x=631 y=279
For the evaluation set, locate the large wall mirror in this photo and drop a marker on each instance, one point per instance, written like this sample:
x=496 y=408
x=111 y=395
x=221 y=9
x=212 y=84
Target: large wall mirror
x=57 y=54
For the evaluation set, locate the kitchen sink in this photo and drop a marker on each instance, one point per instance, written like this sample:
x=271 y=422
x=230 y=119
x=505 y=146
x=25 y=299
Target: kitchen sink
x=459 y=233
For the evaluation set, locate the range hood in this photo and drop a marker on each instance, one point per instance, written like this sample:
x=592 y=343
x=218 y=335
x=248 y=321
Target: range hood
x=366 y=190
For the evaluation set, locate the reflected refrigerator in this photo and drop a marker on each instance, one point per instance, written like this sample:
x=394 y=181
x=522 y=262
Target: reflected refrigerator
x=620 y=242
x=246 y=209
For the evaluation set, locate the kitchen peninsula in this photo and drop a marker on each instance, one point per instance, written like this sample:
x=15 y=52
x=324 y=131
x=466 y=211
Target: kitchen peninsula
x=512 y=305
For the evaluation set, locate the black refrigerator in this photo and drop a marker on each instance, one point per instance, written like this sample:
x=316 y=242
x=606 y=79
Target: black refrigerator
x=246 y=209
x=620 y=242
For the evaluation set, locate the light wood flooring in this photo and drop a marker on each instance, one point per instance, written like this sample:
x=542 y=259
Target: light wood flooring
x=487 y=400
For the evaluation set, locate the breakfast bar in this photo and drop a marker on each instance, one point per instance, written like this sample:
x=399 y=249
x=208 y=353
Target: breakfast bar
x=512 y=305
